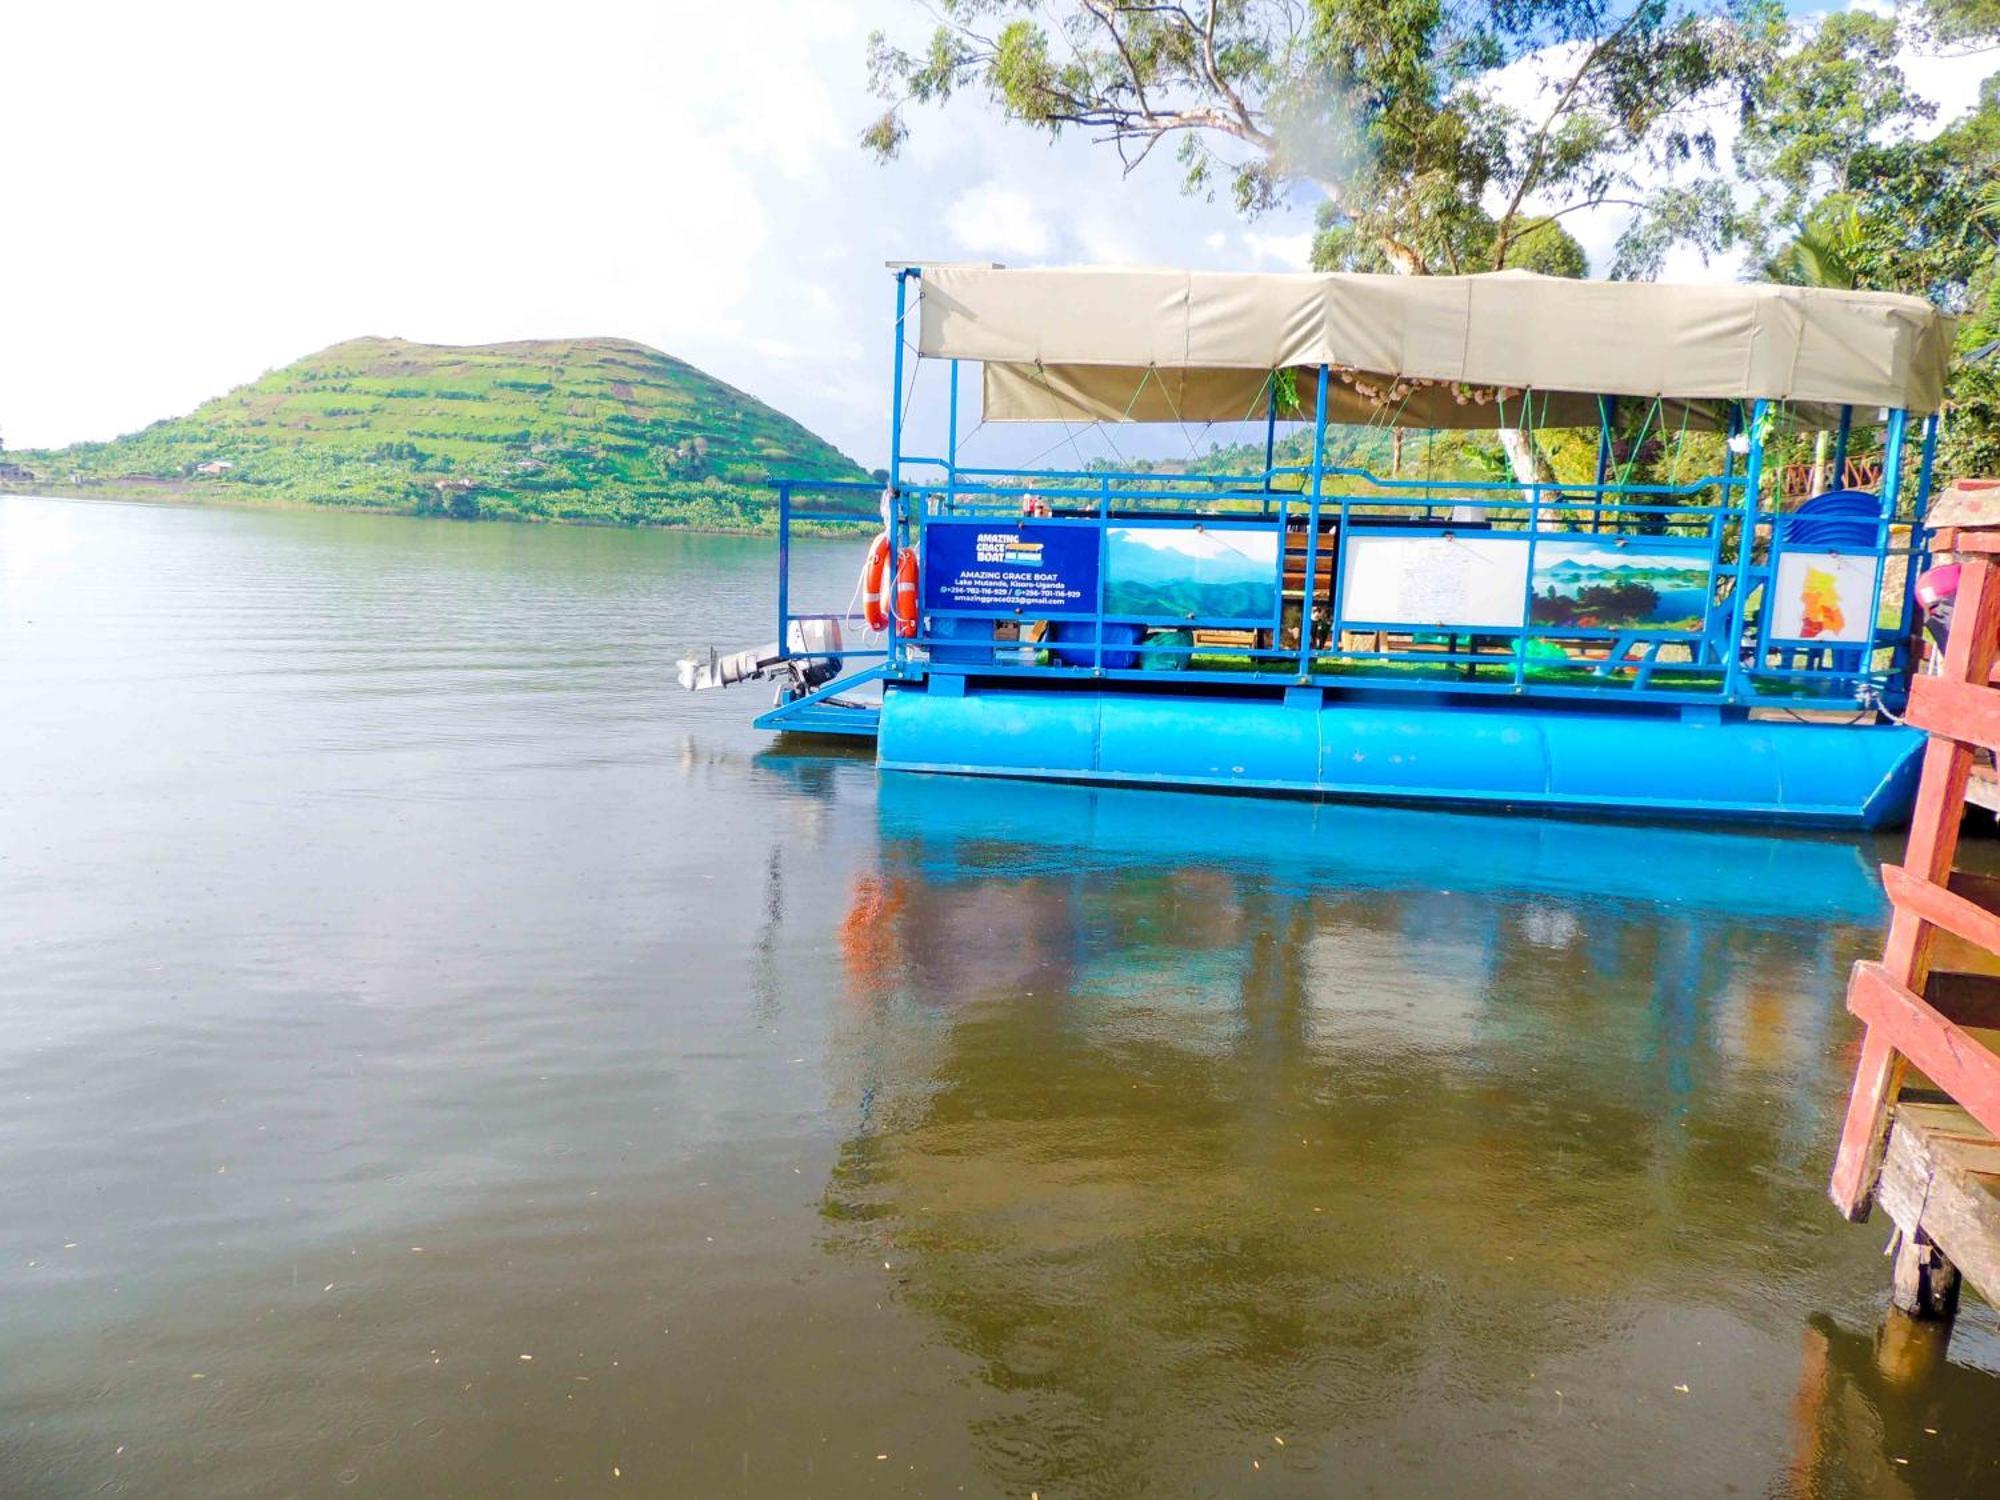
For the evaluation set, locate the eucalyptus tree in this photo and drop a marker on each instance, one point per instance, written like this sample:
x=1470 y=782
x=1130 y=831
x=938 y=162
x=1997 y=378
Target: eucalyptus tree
x=1438 y=132
x=1856 y=188
x=1816 y=121
x=1972 y=21
x=1441 y=136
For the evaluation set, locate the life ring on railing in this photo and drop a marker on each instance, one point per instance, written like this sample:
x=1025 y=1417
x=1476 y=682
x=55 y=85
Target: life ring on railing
x=906 y=593
x=874 y=575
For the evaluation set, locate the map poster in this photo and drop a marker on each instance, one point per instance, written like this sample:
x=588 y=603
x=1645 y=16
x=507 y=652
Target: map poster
x=1823 y=596
x=1003 y=567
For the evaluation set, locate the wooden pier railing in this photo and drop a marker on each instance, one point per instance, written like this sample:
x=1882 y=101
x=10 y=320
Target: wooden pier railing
x=1922 y=1134
x=1861 y=472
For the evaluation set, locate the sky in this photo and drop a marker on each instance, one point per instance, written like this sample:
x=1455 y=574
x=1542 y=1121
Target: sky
x=197 y=193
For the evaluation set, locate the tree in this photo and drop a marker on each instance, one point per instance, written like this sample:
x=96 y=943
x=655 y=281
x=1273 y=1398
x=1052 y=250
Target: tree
x=1963 y=20
x=1821 y=108
x=1854 y=200
x=1824 y=250
x=1396 y=110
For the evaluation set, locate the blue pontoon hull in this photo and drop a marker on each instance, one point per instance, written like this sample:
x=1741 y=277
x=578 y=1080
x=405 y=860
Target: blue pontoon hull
x=1601 y=761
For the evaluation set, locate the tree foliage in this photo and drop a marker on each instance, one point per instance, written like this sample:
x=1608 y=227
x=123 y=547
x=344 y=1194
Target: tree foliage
x=594 y=430
x=1412 y=117
x=1854 y=195
x=1444 y=136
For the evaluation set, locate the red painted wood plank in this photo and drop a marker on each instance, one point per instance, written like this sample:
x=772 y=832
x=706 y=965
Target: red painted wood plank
x=1969 y=657
x=1940 y=907
x=1964 y=711
x=1933 y=847
x=1951 y=1058
x=1858 y=1160
x=1967 y=539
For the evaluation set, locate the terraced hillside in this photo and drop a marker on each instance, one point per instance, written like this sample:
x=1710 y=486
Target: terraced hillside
x=601 y=430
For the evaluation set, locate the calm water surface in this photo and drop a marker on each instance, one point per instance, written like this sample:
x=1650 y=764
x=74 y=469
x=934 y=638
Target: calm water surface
x=438 y=1058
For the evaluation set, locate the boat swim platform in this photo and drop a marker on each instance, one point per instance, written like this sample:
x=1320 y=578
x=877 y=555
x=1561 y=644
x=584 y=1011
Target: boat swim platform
x=1585 y=758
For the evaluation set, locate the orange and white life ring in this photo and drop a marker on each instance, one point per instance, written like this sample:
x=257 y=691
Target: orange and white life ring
x=874 y=575
x=906 y=593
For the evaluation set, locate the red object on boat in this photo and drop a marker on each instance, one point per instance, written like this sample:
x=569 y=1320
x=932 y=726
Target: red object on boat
x=906 y=593
x=874 y=597
x=1936 y=585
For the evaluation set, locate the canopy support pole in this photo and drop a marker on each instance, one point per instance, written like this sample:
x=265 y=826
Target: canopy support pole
x=892 y=503
x=1917 y=551
x=896 y=394
x=1607 y=412
x=1840 y=447
x=1270 y=431
x=1895 y=440
x=951 y=444
x=1310 y=584
x=1733 y=685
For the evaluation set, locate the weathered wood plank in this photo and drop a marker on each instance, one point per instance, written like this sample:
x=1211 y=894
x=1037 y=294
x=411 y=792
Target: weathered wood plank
x=1971 y=503
x=1964 y=711
x=1928 y=1191
x=1933 y=848
x=1954 y=1061
x=1923 y=901
x=1982 y=788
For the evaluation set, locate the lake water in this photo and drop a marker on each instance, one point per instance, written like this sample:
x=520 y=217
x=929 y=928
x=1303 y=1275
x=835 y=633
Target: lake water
x=439 y=1058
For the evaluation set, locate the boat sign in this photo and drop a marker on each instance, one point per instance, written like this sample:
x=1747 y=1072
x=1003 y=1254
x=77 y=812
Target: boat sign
x=1041 y=569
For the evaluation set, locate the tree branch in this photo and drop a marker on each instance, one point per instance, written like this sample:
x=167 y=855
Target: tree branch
x=1538 y=153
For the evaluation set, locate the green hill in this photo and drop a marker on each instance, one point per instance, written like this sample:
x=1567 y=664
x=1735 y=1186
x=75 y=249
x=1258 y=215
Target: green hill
x=600 y=430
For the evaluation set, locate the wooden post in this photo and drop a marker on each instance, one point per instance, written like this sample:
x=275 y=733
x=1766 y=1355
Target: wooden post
x=1924 y=1284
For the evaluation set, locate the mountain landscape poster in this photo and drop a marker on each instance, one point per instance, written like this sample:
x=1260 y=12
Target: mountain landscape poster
x=1601 y=585
x=1191 y=573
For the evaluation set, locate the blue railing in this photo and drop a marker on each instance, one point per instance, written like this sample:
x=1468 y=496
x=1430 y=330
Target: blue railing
x=1311 y=630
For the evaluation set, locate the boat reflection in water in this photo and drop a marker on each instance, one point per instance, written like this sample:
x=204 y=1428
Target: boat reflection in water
x=1434 y=1144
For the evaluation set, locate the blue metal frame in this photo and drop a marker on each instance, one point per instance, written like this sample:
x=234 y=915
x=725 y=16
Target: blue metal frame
x=1919 y=551
x=1719 y=517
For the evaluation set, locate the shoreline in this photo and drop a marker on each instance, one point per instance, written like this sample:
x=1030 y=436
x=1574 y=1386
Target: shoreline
x=180 y=493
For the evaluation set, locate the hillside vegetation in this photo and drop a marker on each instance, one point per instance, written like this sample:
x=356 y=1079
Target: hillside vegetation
x=597 y=430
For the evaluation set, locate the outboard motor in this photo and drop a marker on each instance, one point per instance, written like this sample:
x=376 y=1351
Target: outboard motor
x=810 y=661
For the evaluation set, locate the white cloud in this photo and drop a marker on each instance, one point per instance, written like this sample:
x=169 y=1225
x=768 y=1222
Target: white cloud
x=1104 y=237
x=1286 y=252
x=233 y=185
x=996 y=220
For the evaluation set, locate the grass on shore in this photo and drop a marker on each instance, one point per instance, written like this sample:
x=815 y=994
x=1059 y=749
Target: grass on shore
x=584 y=430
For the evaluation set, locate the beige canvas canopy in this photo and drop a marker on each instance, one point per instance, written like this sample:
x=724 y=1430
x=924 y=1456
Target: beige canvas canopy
x=1104 y=344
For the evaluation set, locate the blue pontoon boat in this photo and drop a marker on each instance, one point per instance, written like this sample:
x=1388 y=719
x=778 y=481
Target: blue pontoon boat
x=1706 y=648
